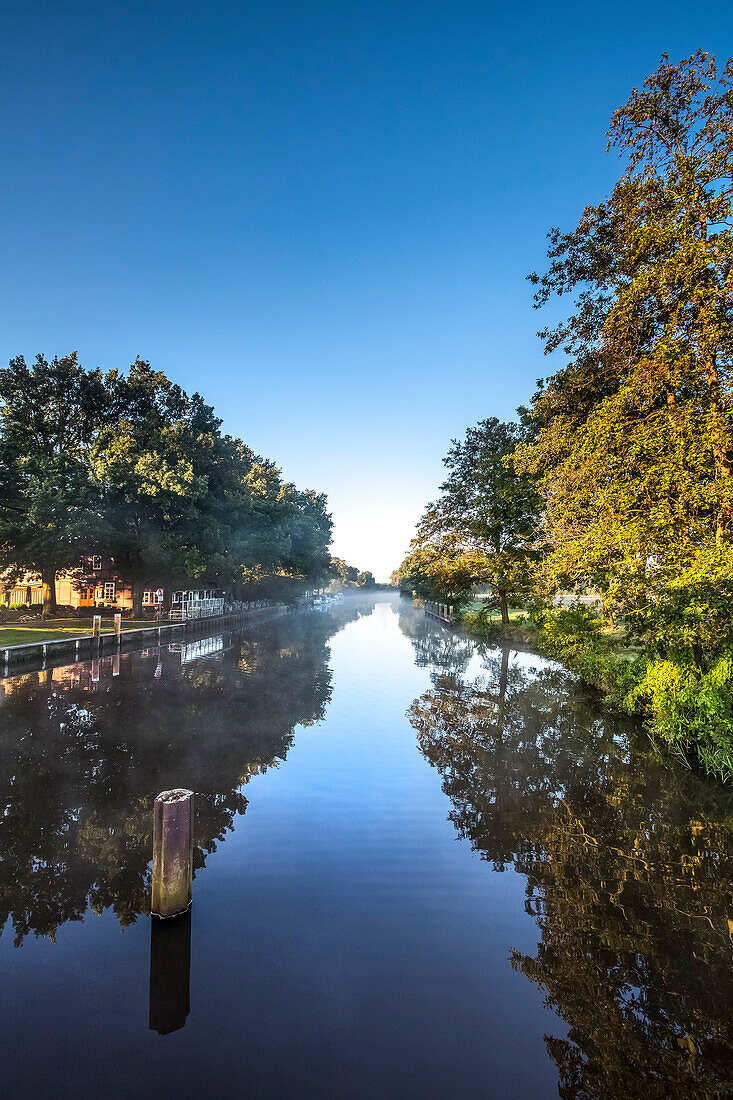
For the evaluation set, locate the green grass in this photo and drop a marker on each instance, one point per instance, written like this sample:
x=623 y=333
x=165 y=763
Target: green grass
x=493 y=615
x=26 y=633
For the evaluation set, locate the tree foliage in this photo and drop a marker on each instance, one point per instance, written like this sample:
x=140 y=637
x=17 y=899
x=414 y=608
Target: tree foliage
x=50 y=416
x=633 y=439
x=131 y=465
x=482 y=529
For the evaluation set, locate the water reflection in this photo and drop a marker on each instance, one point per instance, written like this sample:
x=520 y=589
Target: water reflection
x=628 y=864
x=170 y=973
x=84 y=749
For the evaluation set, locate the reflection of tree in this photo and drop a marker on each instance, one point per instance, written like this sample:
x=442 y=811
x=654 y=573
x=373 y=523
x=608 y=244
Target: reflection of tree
x=629 y=866
x=83 y=753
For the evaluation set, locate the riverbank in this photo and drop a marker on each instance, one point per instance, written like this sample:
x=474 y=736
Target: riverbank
x=51 y=630
x=57 y=649
x=685 y=705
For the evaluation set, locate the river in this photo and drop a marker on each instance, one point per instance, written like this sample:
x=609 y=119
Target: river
x=425 y=867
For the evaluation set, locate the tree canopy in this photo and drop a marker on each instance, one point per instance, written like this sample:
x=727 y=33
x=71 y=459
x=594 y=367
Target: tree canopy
x=482 y=529
x=130 y=465
x=627 y=450
x=633 y=438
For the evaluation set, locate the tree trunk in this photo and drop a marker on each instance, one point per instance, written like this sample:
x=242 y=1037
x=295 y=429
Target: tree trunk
x=504 y=609
x=137 y=600
x=48 y=578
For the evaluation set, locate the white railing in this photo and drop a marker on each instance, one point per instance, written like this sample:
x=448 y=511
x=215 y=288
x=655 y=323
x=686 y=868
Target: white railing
x=197 y=609
x=203 y=609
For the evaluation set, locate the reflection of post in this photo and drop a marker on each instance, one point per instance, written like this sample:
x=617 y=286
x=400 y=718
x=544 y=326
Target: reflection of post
x=172 y=852
x=116 y=664
x=170 y=973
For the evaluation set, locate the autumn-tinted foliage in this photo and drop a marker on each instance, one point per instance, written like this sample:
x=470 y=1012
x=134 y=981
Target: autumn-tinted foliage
x=629 y=445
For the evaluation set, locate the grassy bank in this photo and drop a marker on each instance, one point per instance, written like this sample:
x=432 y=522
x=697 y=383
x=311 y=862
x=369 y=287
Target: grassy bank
x=687 y=705
x=53 y=629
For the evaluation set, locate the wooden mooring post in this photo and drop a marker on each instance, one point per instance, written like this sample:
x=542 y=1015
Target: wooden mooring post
x=118 y=628
x=96 y=628
x=172 y=853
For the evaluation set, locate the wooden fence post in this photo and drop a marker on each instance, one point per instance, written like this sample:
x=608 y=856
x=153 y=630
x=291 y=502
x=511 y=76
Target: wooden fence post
x=172 y=852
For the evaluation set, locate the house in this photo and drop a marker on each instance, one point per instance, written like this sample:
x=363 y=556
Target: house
x=98 y=584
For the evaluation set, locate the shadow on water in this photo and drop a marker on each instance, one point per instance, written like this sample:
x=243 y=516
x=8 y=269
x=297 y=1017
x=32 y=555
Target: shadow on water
x=628 y=862
x=170 y=973
x=84 y=749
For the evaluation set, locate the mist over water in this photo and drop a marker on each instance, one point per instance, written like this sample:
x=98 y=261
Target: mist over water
x=424 y=867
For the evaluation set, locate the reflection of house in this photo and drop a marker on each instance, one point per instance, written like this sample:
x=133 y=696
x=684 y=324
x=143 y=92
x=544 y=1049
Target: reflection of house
x=97 y=583
x=204 y=647
x=92 y=676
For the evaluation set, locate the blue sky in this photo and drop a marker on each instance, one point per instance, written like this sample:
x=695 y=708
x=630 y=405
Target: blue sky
x=320 y=215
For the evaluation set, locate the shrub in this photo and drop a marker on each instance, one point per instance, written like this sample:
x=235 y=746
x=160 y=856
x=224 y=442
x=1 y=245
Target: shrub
x=691 y=709
x=569 y=633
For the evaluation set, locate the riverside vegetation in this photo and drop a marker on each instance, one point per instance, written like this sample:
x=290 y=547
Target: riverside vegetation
x=131 y=466
x=616 y=480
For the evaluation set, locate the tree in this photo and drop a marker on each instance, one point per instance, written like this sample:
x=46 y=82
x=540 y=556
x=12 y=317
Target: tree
x=153 y=463
x=50 y=415
x=308 y=526
x=132 y=466
x=483 y=528
x=343 y=573
x=633 y=439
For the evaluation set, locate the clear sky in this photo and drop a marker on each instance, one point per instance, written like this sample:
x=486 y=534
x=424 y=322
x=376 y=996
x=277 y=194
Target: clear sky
x=320 y=215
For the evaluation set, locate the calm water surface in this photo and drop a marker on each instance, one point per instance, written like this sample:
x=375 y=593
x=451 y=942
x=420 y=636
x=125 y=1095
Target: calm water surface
x=425 y=868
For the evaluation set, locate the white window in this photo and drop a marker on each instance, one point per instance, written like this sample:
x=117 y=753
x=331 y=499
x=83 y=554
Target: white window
x=97 y=561
x=147 y=597
x=176 y=598
x=109 y=590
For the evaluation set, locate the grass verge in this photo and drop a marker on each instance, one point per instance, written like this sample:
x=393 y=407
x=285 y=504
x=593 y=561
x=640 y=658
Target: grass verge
x=54 y=629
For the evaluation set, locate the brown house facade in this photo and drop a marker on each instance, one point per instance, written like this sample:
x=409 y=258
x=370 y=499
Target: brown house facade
x=100 y=585
x=97 y=584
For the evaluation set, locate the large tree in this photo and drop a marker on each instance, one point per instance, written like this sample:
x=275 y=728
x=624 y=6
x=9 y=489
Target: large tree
x=483 y=527
x=188 y=504
x=50 y=416
x=634 y=437
x=131 y=466
x=161 y=466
